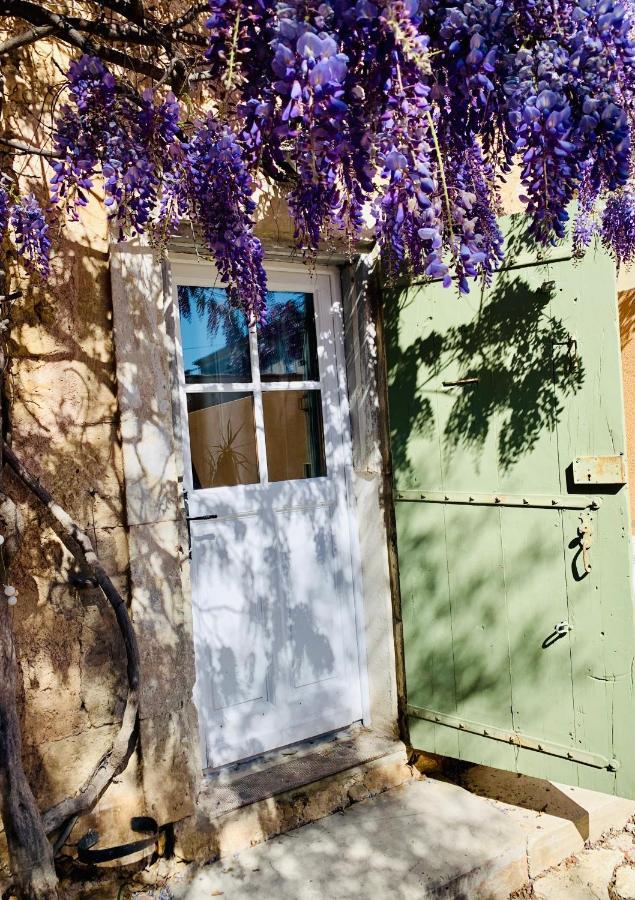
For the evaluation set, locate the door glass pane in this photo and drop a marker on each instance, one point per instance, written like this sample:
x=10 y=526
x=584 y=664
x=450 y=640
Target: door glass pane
x=287 y=345
x=222 y=439
x=294 y=434
x=215 y=337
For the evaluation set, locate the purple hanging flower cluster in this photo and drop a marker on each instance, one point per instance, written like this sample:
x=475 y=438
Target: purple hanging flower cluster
x=618 y=226
x=25 y=220
x=82 y=128
x=410 y=112
x=221 y=191
x=125 y=136
x=31 y=234
x=155 y=174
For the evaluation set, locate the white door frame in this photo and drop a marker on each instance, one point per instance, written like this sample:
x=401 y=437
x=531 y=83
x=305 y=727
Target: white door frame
x=186 y=268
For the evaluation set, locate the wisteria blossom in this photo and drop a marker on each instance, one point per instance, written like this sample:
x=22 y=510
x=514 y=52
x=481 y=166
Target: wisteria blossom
x=408 y=112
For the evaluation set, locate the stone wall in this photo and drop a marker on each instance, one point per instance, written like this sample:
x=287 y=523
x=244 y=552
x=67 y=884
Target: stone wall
x=65 y=426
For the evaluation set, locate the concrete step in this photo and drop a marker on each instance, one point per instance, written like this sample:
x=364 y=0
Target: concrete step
x=425 y=839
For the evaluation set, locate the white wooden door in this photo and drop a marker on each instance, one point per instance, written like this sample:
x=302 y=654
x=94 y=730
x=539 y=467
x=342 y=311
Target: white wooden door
x=267 y=452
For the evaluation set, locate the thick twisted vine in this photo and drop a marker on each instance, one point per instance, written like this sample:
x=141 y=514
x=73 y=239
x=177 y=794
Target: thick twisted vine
x=116 y=759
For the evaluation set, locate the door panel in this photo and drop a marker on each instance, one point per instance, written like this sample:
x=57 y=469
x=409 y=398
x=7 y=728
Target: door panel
x=265 y=473
x=516 y=656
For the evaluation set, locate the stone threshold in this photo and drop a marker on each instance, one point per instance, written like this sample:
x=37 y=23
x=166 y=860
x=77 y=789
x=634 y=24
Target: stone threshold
x=291 y=768
x=483 y=839
x=242 y=805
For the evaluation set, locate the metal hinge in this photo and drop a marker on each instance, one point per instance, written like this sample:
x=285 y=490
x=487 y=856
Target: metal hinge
x=595 y=760
x=542 y=501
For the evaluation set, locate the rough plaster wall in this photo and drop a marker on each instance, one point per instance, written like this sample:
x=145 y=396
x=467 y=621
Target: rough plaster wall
x=63 y=416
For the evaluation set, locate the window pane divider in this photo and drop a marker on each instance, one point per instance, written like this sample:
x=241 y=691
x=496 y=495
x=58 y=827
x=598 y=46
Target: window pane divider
x=220 y=387
x=291 y=386
x=232 y=387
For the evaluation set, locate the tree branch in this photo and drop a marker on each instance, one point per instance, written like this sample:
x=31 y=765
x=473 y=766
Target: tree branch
x=28 y=148
x=117 y=758
x=27 y=37
x=36 y=14
x=188 y=17
x=129 y=9
x=30 y=854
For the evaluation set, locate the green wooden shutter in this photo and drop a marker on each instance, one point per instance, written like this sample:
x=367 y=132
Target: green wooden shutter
x=500 y=404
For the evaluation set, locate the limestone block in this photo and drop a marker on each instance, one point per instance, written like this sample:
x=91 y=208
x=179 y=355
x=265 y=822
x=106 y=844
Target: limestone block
x=622 y=841
x=160 y=619
x=557 y=818
x=143 y=351
x=66 y=763
x=587 y=879
x=377 y=599
x=73 y=444
x=171 y=764
x=624 y=888
x=49 y=653
x=103 y=680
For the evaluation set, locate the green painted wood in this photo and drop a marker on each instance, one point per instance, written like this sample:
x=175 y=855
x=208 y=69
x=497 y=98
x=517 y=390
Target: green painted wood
x=483 y=587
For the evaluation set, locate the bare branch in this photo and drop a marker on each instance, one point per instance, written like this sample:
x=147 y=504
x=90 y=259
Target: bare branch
x=38 y=15
x=132 y=34
x=27 y=148
x=27 y=37
x=129 y=9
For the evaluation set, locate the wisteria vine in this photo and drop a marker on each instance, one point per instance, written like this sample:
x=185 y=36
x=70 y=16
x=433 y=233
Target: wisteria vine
x=405 y=115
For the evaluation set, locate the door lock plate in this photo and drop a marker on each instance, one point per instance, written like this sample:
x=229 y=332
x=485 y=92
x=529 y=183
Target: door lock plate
x=599 y=469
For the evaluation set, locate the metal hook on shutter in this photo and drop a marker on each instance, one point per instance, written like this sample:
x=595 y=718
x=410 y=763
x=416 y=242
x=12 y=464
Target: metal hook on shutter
x=585 y=538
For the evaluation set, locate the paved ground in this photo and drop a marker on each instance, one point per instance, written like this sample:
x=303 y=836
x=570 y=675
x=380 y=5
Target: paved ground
x=602 y=871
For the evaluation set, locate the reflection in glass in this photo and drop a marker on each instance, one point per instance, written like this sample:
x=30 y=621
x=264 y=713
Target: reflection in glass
x=287 y=345
x=294 y=434
x=215 y=336
x=222 y=439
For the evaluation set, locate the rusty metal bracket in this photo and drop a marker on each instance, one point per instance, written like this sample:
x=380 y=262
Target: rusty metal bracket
x=607 y=469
